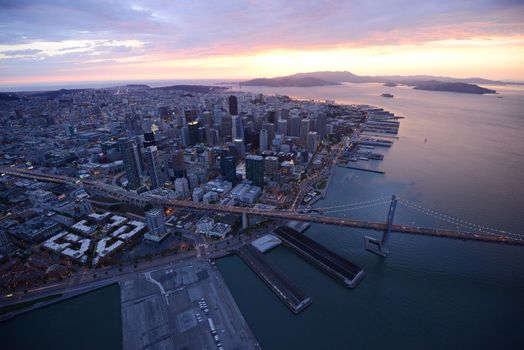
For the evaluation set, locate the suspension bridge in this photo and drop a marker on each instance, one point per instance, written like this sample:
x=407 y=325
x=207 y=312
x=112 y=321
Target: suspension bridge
x=465 y=230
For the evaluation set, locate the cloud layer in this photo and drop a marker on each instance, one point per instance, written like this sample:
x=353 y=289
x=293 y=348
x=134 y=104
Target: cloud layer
x=46 y=38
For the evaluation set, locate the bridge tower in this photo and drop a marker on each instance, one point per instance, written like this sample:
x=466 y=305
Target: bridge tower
x=376 y=246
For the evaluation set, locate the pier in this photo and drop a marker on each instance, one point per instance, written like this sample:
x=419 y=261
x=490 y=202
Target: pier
x=285 y=290
x=356 y=168
x=334 y=265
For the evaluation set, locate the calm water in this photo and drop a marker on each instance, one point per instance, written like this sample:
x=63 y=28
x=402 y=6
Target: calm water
x=429 y=293
x=89 y=321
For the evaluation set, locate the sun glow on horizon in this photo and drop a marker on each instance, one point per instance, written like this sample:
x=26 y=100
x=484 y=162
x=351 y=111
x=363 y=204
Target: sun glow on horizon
x=493 y=58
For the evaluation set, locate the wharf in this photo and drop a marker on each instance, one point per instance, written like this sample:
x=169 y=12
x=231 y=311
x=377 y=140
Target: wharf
x=337 y=267
x=285 y=290
x=356 y=168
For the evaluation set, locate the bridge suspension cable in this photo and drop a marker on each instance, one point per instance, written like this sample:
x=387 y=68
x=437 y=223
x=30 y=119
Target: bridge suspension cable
x=382 y=199
x=459 y=222
x=387 y=201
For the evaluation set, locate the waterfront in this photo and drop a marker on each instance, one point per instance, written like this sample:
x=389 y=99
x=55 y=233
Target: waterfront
x=430 y=292
x=88 y=321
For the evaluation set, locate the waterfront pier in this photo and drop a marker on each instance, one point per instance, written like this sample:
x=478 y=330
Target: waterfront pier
x=334 y=265
x=285 y=290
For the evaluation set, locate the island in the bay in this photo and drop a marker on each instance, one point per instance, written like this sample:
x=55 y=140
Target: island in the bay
x=419 y=82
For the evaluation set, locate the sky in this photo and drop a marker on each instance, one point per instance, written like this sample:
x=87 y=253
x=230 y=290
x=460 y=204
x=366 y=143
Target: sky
x=70 y=41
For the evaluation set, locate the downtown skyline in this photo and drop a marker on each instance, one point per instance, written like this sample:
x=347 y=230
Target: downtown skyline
x=91 y=41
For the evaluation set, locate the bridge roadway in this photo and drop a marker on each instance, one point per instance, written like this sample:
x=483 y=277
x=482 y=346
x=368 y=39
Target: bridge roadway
x=134 y=198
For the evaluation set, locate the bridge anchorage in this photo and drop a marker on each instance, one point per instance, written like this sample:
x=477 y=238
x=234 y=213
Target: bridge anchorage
x=376 y=246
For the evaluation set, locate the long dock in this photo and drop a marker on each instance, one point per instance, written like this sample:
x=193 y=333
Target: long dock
x=357 y=168
x=285 y=290
x=334 y=265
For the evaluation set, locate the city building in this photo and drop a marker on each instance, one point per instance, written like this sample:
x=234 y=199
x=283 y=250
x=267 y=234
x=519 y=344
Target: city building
x=255 y=170
x=228 y=168
x=153 y=167
x=182 y=186
x=131 y=166
x=263 y=140
x=155 y=222
x=312 y=141
x=233 y=105
x=271 y=165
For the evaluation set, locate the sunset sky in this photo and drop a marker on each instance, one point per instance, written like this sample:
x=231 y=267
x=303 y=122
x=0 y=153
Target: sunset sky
x=68 y=41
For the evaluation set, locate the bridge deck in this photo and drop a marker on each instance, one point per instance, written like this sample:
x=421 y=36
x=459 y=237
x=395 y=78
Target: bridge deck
x=130 y=197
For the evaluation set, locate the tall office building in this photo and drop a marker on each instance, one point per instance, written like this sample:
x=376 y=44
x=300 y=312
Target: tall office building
x=240 y=147
x=293 y=126
x=149 y=139
x=321 y=125
x=312 y=141
x=270 y=128
x=233 y=105
x=182 y=186
x=128 y=150
x=193 y=132
x=228 y=168
x=237 y=127
x=153 y=167
x=263 y=140
x=226 y=126
x=271 y=165
x=255 y=170
x=155 y=221
x=282 y=127
x=271 y=117
x=304 y=131
x=179 y=164
x=208 y=120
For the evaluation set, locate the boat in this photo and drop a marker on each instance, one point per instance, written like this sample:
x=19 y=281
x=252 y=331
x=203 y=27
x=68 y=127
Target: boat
x=387 y=95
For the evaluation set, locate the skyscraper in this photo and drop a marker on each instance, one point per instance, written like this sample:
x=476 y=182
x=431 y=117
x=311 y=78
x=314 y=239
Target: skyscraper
x=255 y=170
x=127 y=150
x=228 y=168
x=271 y=165
x=263 y=140
x=153 y=167
x=312 y=141
x=282 y=127
x=304 y=130
x=193 y=132
x=179 y=164
x=270 y=128
x=321 y=124
x=240 y=147
x=233 y=105
x=182 y=186
x=237 y=127
x=293 y=127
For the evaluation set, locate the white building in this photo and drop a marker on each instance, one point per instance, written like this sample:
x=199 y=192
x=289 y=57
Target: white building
x=155 y=221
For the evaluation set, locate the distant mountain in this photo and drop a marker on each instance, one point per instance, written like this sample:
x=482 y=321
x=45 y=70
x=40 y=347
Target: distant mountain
x=434 y=85
x=338 y=77
x=292 y=80
x=56 y=93
x=192 y=88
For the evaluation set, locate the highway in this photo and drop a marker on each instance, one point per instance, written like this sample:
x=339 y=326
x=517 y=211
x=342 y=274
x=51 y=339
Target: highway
x=137 y=199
